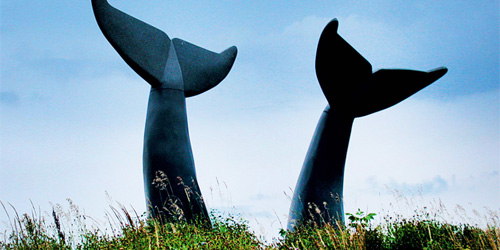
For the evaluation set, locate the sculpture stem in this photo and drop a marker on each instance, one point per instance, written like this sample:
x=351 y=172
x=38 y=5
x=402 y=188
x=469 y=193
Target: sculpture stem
x=170 y=182
x=318 y=194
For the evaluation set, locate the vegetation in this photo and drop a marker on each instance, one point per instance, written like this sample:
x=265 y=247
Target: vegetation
x=393 y=234
x=69 y=230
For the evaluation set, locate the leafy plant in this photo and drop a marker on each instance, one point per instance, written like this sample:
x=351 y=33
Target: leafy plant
x=360 y=219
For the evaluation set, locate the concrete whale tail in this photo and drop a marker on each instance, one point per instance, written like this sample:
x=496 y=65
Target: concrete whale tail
x=349 y=85
x=145 y=49
x=352 y=90
x=175 y=69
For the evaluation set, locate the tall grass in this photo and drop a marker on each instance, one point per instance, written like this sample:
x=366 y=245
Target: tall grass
x=125 y=230
x=394 y=233
x=69 y=229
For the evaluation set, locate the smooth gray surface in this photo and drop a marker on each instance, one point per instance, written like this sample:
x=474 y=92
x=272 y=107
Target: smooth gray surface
x=352 y=90
x=175 y=69
x=319 y=190
x=167 y=148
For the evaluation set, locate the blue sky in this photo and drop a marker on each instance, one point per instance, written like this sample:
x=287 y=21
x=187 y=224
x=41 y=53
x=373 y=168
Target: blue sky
x=73 y=113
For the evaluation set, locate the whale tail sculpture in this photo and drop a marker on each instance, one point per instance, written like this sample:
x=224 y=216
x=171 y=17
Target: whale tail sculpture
x=352 y=90
x=175 y=69
x=145 y=49
x=349 y=85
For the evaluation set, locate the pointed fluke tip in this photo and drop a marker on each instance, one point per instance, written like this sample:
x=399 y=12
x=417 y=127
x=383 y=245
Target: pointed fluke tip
x=437 y=72
x=99 y=2
x=332 y=26
x=230 y=53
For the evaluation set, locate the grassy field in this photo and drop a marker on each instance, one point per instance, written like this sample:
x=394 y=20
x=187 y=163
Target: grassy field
x=128 y=230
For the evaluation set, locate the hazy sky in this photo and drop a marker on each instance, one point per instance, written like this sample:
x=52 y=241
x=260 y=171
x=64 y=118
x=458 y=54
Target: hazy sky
x=73 y=113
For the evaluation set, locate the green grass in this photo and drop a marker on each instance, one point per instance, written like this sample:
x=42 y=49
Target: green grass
x=127 y=230
x=397 y=234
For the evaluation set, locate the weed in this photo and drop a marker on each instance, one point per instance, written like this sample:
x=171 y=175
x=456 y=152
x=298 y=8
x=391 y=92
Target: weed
x=69 y=230
x=360 y=219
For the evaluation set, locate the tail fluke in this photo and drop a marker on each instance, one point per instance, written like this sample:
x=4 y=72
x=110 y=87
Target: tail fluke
x=388 y=87
x=202 y=69
x=340 y=69
x=143 y=47
x=349 y=85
